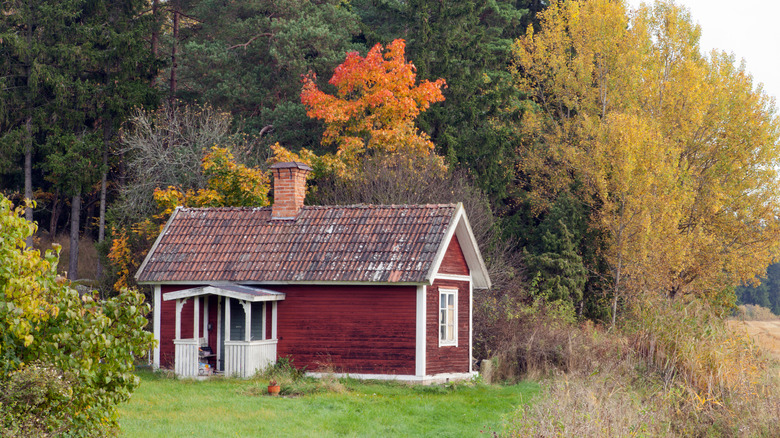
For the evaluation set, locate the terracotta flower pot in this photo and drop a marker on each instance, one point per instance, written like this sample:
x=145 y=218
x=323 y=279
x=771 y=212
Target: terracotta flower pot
x=274 y=389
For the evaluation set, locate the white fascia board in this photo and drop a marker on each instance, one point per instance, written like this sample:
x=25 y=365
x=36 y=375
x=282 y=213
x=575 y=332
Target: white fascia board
x=445 y=242
x=468 y=244
x=156 y=242
x=211 y=290
x=471 y=251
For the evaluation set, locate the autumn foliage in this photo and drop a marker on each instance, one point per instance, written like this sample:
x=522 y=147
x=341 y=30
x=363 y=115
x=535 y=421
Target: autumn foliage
x=675 y=153
x=373 y=111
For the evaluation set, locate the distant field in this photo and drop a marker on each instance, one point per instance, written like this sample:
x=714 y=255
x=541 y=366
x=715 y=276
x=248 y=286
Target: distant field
x=169 y=408
x=766 y=333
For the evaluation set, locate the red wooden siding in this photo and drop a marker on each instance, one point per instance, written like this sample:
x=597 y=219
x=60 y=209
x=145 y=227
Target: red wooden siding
x=454 y=262
x=356 y=329
x=449 y=359
x=268 y=327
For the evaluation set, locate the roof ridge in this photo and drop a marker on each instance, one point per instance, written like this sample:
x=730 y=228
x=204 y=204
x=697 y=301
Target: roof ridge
x=391 y=206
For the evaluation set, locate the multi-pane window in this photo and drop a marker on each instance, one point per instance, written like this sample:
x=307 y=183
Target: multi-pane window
x=448 y=303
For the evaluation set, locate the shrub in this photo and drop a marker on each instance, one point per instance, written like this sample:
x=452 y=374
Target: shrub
x=88 y=343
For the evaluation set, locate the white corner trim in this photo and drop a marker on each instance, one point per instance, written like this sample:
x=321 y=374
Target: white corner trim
x=156 y=321
x=471 y=328
x=157 y=242
x=421 y=331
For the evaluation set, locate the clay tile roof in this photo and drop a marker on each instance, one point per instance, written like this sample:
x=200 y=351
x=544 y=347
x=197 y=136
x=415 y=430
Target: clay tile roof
x=360 y=243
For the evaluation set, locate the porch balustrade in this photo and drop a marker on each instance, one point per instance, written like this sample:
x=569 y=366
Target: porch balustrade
x=245 y=358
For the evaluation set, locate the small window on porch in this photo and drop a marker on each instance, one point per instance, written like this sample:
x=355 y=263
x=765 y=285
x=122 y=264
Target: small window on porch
x=448 y=303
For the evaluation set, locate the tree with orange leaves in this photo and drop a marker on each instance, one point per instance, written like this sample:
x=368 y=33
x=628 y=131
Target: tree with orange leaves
x=374 y=109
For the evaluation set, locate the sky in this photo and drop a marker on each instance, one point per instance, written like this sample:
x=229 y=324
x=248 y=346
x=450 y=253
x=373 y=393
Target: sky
x=748 y=28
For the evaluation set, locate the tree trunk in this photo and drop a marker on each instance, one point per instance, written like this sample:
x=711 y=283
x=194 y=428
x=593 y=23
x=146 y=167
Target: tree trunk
x=103 y=181
x=172 y=97
x=56 y=207
x=28 y=192
x=75 y=214
x=155 y=32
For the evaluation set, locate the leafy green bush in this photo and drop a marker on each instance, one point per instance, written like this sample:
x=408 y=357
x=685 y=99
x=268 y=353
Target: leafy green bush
x=88 y=344
x=33 y=402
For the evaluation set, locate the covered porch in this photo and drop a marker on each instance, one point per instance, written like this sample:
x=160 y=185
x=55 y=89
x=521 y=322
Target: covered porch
x=237 y=339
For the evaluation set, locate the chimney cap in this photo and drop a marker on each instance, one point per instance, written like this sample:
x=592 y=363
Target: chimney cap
x=291 y=165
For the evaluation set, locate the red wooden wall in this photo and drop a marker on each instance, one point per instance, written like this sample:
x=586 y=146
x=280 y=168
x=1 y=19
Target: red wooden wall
x=356 y=329
x=447 y=359
x=454 y=262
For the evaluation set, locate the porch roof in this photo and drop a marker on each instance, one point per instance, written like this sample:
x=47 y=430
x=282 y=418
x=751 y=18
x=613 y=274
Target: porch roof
x=237 y=291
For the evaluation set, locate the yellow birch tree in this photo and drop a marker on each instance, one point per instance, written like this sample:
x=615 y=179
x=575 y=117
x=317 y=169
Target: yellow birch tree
x=678 y=151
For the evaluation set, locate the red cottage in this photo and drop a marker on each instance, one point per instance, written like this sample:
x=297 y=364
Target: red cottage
x=372 y=291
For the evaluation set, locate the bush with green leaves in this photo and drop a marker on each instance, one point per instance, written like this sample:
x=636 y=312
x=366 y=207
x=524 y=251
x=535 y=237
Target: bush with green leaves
x=46 y=323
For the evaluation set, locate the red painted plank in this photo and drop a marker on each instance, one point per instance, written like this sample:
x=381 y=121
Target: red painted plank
x=454 y=262
x=355 y=329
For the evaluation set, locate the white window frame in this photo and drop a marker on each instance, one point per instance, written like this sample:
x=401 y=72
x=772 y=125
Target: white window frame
x=454 y=341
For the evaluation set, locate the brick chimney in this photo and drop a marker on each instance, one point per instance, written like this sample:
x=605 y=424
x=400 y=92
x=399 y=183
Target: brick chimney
x=289 y=189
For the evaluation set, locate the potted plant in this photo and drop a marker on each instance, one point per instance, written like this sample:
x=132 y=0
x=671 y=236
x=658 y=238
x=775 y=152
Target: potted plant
x=273 y=387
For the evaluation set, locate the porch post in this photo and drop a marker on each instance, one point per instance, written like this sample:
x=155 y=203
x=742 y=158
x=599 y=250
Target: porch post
x=227 y=319
x=206 y=317
x=179 y=304
x=196 y=318
x=273 y=320
x=247 y=320
x=219 y=334
x=156 y=324
x=265 y=313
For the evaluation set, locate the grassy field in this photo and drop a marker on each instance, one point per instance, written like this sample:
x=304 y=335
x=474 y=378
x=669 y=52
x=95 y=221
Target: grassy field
x=235 y=408
x=766 y=333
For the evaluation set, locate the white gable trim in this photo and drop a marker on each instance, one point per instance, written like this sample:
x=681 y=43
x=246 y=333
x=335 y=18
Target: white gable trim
x=460 y=227
x=156 y=242
x=211 y=290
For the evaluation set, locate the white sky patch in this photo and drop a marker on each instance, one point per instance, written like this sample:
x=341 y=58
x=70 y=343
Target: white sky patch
x=748 y=29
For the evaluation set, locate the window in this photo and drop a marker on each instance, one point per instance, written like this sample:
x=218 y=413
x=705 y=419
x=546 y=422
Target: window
x=448 y=317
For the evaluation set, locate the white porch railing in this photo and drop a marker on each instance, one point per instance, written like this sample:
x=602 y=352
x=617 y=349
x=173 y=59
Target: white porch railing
x=186 y=364
x=245 y=358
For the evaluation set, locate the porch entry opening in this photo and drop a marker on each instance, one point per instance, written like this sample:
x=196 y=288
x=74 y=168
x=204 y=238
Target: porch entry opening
x=243 y=345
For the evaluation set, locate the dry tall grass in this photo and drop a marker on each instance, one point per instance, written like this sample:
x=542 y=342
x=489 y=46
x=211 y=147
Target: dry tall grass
x=673 y=370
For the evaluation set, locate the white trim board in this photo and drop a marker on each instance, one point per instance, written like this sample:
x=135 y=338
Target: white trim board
x=215 y=290
x=156 y=243
x=424 y=380
x=420 y=357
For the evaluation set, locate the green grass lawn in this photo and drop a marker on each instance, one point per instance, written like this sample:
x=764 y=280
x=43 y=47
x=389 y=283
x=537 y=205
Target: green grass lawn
x=232 y=408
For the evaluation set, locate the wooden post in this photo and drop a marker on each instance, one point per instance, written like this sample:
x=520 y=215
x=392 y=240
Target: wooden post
x=273 y=320
x=247 y=320
x=179 y=304
x=206 y=317
x=196 y=318
x=262 y=331
x=227 y=319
